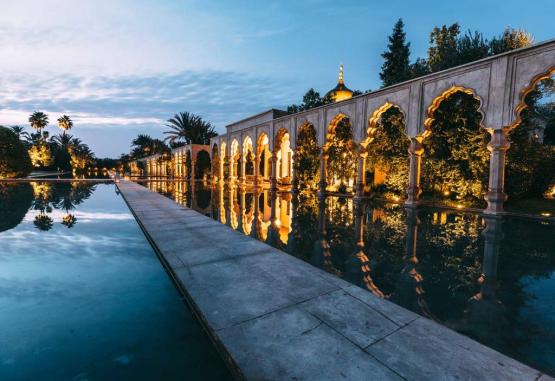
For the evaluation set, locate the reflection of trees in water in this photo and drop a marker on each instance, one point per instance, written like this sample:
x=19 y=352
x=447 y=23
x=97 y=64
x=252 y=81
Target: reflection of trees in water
x=339 y=226
x=304 y=226
x=63 y=196
x=525 y=254
x=203 y=198
x=450 y=253
x=15 y=200
x=445 y=270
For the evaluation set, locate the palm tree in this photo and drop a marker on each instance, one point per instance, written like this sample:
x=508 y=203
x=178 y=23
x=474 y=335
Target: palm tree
x=20 y=132
x=65 y=123
x=189 y=128
x=144 y=145
x=38 y=120
x=62 y=140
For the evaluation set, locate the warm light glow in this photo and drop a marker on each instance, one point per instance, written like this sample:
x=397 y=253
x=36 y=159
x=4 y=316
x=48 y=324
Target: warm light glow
x=545 y=214
x=459 y=206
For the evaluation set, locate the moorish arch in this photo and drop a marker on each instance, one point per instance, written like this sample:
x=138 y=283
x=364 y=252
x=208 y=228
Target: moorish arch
x=247 y=159
x=524 y=92
x=531 y=150
x=306 y=159
x=224 y=162
x=339 y=165
x=215 y=162
x=234 y=156
x=384 y=153
x=454 y=145
x=263 y=157
x=283 y=157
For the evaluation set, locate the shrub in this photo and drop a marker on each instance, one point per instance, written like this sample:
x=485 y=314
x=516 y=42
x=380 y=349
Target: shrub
x=14 y=159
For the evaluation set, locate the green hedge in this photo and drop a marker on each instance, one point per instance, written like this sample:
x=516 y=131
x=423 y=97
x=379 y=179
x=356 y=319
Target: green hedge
x=14 y=159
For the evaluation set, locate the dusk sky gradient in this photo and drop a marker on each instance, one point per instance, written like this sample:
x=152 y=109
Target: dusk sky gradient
x=120 y=68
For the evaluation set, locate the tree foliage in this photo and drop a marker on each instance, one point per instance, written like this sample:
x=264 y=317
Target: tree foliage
x=14 y=160
x=144 y=145
x=396 y=66
x=387 y=152
x=307 y=157
x=530 y=167
x=311 y=99
x=189 y=129
x=456 y=159
x=342 y=159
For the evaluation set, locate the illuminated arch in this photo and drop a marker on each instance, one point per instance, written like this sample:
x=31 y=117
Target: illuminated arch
x=223 y=150
x=261 y=142
x=436 y=102
x=375 y=118
x=284 y=155
x=340 y=180
x=521 y=106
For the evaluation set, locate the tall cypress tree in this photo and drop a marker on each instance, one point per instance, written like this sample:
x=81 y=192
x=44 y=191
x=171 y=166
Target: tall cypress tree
x=396 y=67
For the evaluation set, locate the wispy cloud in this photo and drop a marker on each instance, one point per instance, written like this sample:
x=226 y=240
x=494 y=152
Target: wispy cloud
x=139 y=102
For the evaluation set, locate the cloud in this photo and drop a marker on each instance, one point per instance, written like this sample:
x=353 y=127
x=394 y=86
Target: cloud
x=138 y=102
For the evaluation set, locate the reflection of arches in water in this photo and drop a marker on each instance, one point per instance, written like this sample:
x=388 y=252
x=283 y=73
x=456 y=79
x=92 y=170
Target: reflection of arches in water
x=15 y=201
x=485 y=315
x=202 y=164
x=409 y=292
x=203 y=200
x=358 y=269
x=221 y=205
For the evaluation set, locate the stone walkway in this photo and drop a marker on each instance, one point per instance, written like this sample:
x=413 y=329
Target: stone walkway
x=275 y=317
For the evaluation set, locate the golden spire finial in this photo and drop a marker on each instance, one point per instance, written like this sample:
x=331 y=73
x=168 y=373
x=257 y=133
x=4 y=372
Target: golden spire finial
x=340 y=74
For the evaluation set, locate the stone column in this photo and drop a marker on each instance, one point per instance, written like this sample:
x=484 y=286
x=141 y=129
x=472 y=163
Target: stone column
x=231 y=169
x=323 y=173
x=498 y=147
x=273 y=178
x=221 y=169
x=294 y=179
x=243 y=178
x=256 y=169
x=193 y=172
x=212 y=168
x=361 y=171
x=415 y=154
x=256 y=214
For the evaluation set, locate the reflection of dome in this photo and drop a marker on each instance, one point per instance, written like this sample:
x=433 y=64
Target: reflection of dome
x=340 y=92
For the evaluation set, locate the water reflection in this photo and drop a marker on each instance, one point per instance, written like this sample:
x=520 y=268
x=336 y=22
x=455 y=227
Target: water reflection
x=478 y=275
x=95 y=293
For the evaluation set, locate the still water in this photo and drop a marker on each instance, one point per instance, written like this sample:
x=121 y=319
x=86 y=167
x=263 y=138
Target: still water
x=84 y=297
x=491 y=279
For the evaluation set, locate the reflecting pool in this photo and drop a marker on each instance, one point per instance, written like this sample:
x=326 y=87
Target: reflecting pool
x=83 y=295
x=492 y=279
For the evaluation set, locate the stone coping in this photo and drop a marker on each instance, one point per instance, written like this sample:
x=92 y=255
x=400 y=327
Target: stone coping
x=275 y=317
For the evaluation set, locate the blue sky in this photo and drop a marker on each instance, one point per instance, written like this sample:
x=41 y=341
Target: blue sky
x=122 y=67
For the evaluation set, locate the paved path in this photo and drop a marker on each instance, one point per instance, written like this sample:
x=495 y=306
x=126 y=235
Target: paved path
x=275 y=317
